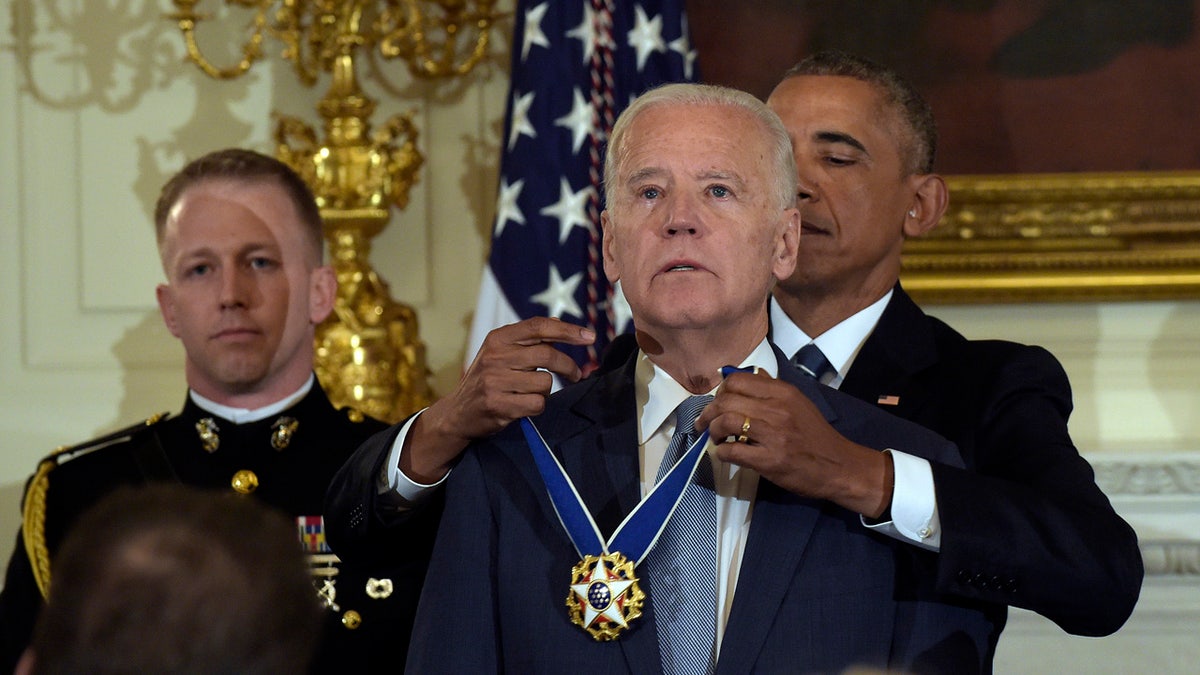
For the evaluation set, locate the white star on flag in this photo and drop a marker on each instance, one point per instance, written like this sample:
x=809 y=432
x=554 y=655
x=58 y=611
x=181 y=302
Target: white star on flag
x=520 y=119
x=507 y=207
x=570 y=210
x=559 y=296
x=581 y=120
x=585 y=32
x=682 y=46
x=533 y=29
x=646 y=36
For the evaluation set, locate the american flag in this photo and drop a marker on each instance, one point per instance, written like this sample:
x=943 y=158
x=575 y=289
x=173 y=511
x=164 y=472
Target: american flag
x=575 y=65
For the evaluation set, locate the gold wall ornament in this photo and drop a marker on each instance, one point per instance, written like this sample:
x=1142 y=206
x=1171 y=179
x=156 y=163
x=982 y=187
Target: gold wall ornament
x=1061 y=237
x=368 y=352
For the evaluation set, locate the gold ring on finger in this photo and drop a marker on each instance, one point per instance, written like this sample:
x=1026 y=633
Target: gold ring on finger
x=745 y=435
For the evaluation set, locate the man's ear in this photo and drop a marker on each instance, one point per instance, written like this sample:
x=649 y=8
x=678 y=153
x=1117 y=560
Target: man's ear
x=930 y=199
x=322 y=293
x=611 y=269
x=787 y=248
x=166 y=307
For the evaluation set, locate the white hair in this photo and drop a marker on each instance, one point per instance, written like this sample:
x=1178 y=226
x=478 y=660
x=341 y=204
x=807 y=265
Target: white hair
x=710 y=95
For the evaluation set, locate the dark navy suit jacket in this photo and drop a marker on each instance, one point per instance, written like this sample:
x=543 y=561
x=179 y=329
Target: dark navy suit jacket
x=1024 y=523
x=817 y=591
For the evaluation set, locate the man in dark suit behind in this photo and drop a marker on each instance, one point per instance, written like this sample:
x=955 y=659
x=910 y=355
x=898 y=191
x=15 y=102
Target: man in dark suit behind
x=1024 y=523
x=700 y=225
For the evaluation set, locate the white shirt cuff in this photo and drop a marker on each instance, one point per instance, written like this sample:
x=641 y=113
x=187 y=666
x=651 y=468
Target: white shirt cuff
x=914 y=504
x=392 y=479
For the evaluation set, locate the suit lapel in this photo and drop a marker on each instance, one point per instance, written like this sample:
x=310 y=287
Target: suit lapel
x=768 y=568
x=595 y=437
x=597 y=445
x=900 y=347
x=770 y=560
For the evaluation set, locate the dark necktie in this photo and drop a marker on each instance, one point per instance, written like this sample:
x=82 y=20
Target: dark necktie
x=683 y=569
x=812 y=361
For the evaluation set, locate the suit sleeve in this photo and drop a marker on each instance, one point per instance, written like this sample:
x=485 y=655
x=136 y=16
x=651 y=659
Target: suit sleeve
x=1028 y=526
x=361 y=523
x=456 y=629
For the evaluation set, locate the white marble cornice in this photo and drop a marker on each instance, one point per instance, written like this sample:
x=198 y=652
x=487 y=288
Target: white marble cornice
x=1149 y=477
x=1159 y=494
x=1171 y=557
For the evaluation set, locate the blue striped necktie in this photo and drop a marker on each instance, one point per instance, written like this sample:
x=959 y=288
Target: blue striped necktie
x=683 y=564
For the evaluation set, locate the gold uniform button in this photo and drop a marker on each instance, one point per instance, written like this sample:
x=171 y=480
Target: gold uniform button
x=244 y=482
x=351 y=619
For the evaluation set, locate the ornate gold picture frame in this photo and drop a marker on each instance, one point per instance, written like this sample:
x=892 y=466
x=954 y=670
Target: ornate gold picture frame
x=1061 y=237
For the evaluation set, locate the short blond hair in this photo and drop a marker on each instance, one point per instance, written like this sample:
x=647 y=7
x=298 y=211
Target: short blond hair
x=246 y=167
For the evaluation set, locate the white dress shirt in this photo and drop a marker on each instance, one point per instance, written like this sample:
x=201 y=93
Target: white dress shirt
x=399 y=490
x=657 y=397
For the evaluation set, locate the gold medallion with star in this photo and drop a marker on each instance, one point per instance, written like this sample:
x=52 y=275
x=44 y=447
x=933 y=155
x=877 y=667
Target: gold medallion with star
x=605 y=596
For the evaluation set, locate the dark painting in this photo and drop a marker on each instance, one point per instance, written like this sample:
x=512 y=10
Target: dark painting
x=1017 y=86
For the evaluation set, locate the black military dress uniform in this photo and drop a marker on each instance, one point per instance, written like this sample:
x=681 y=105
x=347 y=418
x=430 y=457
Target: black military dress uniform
x=285 y=460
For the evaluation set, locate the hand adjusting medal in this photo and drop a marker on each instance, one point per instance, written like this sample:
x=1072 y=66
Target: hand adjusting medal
x=604 y=595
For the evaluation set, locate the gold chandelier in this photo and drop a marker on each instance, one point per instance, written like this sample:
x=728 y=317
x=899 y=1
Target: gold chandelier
x=368 y=352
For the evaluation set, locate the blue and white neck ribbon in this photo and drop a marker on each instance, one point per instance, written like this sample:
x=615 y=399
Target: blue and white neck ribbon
x=640 y=530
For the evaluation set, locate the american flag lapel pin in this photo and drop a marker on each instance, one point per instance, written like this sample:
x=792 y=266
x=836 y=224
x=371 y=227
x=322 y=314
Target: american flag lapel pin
x=888 y=399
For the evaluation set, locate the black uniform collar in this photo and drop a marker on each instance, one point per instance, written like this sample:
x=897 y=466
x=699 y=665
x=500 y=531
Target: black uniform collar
x=277 y=426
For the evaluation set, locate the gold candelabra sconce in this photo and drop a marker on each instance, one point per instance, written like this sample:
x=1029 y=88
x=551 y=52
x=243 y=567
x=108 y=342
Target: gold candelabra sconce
x=368 y=352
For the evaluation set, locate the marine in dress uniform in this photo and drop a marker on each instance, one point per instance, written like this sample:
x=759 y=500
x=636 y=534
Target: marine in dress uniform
x=286 y=460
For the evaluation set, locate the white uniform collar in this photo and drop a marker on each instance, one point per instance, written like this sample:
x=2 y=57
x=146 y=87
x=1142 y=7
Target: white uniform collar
x=245 y=415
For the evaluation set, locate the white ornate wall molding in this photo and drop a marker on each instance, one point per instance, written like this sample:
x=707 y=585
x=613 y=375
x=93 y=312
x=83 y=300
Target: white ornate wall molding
x=1171 y=557
x=1160 y=496
x=1149 y=477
